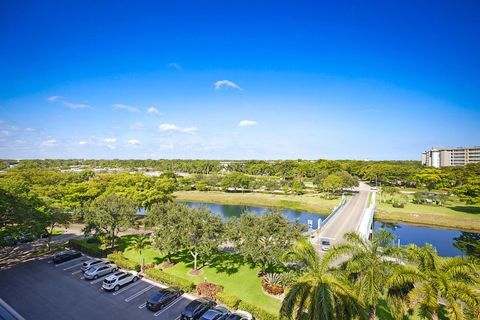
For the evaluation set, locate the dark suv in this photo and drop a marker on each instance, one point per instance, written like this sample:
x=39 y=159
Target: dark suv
x=195 y=309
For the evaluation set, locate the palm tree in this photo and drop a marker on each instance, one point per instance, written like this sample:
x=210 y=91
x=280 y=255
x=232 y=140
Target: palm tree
x=322 y=292
x=139 y=243
x=368 y=264
x=439 y=283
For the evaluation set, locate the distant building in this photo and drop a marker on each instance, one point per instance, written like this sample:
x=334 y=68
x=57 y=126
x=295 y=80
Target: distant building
x=448 y=157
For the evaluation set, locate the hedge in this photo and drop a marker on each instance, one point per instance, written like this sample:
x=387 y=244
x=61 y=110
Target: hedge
x=169 y=279
x=88 y=248
x=234 y=302
x=123 y=262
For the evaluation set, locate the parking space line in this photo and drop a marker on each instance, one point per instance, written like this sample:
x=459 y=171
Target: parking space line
x=64 y=263
x=127 y=287
x=100 y=279
x=143 y=305
x=169 y=306
x=75 y=272
x=74 y=266
x=138 y=293
x=177 y=317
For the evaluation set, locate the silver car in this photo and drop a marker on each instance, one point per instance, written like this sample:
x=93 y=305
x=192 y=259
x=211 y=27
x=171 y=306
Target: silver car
x=100 y=270
x=92 y=263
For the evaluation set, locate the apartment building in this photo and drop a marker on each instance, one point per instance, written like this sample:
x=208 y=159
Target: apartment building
x=447 y=157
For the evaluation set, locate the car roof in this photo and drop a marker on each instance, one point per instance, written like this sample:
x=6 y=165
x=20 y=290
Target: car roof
x=210 y=314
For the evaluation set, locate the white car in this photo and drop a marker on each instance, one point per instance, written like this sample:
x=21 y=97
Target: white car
x=325 y=245
x=240 y=315
x=100 y=270
x=115 y=281
x=93 y=263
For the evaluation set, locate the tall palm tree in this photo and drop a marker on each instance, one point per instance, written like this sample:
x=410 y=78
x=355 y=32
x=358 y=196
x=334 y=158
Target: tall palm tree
x=322 y=292
x=139 y=243
x=368 y=264
x=439 y=283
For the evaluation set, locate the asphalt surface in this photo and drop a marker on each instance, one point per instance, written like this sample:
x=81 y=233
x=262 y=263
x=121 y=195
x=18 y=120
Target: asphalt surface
x=347 y=219
x=41 y=290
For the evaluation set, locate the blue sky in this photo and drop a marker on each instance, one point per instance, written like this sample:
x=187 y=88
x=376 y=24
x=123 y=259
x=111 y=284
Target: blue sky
x=238 y=80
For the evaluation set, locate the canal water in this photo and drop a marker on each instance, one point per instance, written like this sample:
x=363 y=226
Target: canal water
x=442 y=239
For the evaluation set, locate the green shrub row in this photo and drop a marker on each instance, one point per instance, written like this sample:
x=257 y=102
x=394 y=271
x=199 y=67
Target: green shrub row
x=123 y=262
x=234 y=302
x=92 y=249
x=170 y=280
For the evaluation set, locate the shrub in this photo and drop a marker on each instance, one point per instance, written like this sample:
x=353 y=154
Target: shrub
x=229 y=300
x=257 y=312
x=148 y=266
x=169 y=279
x=92 y=249
x=398 y=205
x=208 y=289
x=123 y=262
x=93 y=240
x=272 y=279
x=52 y=248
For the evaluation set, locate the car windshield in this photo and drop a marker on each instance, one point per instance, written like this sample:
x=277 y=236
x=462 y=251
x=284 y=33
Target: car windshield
x=92 y=269
x=325 y=242
x=210 y=314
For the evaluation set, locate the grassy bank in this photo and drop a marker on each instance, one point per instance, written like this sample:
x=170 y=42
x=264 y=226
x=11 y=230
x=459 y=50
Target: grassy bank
x=453 y=216
x=308 y=202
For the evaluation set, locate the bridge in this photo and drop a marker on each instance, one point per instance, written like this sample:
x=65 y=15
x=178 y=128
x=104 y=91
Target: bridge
x=355 y=214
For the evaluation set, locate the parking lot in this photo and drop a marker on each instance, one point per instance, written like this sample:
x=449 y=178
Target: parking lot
x=41 y=290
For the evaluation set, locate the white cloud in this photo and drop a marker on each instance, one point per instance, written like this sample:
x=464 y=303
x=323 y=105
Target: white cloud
x=154 y=110
x=172 y=127
x=166 y=146
x=175 y=66
x=49 y=143
x=125 y=107
x=137 y=126
x=53 y=98
x=82 y=143
x=72 y=105
x=247 y=123
x=133 y=142
x=225 y=84
x=110 y=140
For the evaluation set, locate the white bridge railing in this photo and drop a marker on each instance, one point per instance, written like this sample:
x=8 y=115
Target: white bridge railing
x=367 y=219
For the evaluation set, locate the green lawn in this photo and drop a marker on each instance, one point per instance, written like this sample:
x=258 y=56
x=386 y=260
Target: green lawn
x=237 y=276
x=57 y=232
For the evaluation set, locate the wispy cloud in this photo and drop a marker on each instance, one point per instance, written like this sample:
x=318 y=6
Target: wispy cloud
x=247 y=123
x=225 y=84
x=153 y=110
x=137 y=126
x=175 y=66
x=125 y=107
x=82 y=143
x=171 y=127
x=53 y=98
x=110 y=142
x=133 y=142
x=69 y=104
x=49 y=143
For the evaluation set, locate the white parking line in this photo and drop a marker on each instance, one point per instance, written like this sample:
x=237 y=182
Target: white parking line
x=138 y=293
x=177 y=317
x=143 y=305
x=63 y=263
x=74 y=266
x=127 y=287
x=169 y=306
x=74 y=273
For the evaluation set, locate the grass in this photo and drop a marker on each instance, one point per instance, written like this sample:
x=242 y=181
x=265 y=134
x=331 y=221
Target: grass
x=307 y=202
x=235 y=274
x=57 y=232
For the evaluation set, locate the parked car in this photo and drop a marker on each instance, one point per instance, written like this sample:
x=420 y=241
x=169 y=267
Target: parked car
x=162 y=298
x=93 y=263
x=325 y=245
x=195 y=309
x=216 y=313
x=100 y=270
x=240 y=315
x=66 y=256
x=115 y=281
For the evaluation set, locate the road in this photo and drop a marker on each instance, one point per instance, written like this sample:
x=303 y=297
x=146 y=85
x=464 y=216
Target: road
x=347 y=219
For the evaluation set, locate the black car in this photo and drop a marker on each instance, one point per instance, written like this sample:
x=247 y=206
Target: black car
x=195 y=309
x=162 y=298
x=66 y=256
x=216 y=313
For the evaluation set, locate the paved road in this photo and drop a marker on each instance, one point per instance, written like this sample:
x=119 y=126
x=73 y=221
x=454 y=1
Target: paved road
x=347 y=219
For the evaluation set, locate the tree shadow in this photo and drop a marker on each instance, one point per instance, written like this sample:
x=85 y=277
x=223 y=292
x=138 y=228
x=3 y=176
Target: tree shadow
x=466 y=209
